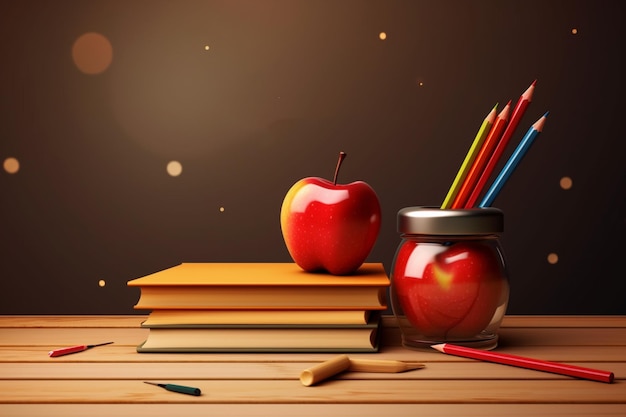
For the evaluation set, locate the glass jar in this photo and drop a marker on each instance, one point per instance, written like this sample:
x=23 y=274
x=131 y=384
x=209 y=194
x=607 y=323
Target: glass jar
x=449 y=282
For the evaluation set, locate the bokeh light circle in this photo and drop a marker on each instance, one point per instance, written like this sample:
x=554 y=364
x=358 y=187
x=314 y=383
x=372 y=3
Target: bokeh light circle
x=92 y=53
x=174 y=168
x=11 y=165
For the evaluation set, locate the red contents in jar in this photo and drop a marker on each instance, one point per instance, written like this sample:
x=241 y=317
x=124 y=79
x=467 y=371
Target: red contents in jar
x=449 y=291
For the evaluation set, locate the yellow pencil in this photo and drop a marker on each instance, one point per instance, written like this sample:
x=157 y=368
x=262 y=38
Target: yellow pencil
x=469 y=158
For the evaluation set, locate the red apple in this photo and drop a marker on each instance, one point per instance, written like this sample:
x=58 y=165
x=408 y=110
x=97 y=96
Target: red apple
x=328 y=226
x=448 y=292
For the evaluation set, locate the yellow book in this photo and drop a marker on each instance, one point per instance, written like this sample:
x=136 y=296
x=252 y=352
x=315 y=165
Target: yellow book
x=165 y=317
x=263 y=338
x=253 y=286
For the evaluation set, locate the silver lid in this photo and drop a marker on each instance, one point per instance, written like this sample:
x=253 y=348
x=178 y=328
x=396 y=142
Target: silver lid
x=436 y=221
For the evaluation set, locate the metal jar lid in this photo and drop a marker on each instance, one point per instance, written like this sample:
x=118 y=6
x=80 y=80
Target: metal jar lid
x=436 y=221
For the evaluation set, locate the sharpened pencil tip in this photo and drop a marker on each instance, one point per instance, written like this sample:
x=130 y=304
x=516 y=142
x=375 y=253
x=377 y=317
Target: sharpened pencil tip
x=538 y=125
x=438 y=347
x=534 y=82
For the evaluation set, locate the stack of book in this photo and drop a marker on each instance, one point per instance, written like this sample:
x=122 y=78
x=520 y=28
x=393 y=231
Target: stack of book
x=261 y=307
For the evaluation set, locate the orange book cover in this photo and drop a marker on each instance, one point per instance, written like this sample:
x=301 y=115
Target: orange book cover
x=261 y=286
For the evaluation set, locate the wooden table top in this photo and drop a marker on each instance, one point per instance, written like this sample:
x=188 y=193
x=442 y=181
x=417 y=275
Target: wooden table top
x=111 y=377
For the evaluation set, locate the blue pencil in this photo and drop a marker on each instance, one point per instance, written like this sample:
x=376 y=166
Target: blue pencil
x=513 y=161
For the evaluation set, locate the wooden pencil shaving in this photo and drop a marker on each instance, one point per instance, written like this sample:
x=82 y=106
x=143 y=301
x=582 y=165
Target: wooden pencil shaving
x=324 y=370
x=375 y=365
x=341 y=363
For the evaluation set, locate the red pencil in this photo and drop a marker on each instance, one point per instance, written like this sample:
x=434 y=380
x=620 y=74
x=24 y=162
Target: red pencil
x=516 y=116
x=528 y=363
x=73 y=349
x=481 y=158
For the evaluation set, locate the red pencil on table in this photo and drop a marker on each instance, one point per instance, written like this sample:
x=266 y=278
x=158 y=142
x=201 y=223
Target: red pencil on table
x=73 y=349
x=481 y=158
x=516 y=116
x=528 y=363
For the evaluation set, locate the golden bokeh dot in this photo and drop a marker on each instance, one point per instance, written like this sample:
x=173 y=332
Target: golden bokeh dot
x=574 y=31
x=11 y=165
x=566 y=183
x=553 y=258
x=382 y=36
x=206 y=47
x=222 y=209
x=92 y=53
x=102 y=283
x=174 y=168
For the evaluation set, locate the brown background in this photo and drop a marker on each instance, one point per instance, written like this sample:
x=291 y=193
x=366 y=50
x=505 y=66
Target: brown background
x=283 y=87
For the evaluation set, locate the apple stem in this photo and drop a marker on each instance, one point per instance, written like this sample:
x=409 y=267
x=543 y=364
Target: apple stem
x=342 y=156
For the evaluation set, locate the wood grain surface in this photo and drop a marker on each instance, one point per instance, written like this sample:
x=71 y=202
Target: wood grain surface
x=111 y=377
